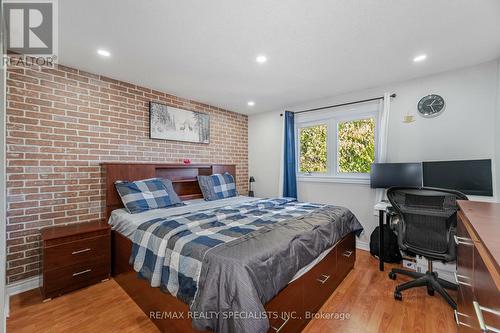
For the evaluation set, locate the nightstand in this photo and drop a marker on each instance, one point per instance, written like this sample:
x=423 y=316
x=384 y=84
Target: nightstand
x=75 y=256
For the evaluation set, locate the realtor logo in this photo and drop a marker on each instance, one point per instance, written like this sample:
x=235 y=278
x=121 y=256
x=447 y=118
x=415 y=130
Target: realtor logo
x=31 y=27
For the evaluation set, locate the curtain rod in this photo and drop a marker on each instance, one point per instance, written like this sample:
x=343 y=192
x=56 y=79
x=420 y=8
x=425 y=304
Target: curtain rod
x=343 y=104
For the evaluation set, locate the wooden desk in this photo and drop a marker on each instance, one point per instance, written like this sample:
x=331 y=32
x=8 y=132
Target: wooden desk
x=478 y=269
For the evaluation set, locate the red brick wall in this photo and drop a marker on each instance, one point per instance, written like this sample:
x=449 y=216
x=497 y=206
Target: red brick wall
x=61 y=123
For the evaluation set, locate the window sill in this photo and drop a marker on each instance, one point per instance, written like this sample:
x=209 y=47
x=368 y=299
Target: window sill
x=341 y=180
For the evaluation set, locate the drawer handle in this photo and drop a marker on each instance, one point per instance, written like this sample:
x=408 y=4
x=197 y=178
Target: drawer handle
x=325 y=278
x=463 y=241
x=462 y=277
x=347 y=253
x=456 y=313
x=479 y=314
x=82 y=272
x=285 y=318
x=81 y=251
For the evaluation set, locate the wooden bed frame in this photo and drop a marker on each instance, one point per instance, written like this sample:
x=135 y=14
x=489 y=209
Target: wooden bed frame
x=288 y=309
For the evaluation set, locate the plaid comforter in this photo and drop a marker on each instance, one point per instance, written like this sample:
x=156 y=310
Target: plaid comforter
x=169 y=252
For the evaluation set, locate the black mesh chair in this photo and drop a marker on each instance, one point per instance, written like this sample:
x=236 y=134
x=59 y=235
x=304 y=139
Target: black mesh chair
x=427 y=226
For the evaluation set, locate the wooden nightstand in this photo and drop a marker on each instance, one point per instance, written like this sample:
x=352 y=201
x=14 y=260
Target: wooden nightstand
x=75 y=256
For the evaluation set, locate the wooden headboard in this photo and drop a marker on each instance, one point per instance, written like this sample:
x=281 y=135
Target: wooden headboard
x=182 y=176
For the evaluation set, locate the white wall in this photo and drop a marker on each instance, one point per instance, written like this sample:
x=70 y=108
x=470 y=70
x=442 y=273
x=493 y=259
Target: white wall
x=265 y=131
x=3 y=261
x=3 y=247
x=497 y=131
x=465 y=130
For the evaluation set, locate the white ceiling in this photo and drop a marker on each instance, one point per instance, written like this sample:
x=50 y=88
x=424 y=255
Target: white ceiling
x=205 y=50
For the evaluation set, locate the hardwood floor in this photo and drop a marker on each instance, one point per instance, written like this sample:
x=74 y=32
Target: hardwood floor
x=103 y=307
x=365 y=294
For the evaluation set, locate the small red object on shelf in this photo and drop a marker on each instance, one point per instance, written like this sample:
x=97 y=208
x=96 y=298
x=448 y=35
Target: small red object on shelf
x=187 y=161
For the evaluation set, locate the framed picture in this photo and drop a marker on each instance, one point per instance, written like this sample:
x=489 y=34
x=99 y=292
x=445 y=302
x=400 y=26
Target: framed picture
x=169 y=123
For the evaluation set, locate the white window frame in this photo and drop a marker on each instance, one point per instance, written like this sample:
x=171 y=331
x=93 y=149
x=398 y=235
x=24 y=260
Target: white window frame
x=331 y=118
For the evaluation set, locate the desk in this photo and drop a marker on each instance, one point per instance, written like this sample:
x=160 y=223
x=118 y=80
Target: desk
x=478 y=267
x=381 y=207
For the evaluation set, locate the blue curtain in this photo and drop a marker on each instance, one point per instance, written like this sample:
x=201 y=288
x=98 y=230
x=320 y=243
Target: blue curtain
x=289 y=175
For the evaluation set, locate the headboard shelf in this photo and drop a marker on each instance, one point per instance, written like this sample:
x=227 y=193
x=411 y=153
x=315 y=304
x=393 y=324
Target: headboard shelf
x=162 y=165
x=183 y=177
x=185 y=180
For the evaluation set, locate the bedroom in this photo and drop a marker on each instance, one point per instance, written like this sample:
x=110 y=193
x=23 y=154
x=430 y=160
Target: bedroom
x=152 y=153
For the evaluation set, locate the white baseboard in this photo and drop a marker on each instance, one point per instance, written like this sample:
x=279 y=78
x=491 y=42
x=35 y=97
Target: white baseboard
x=362 y=245
x=23 y=285
x=20 y=287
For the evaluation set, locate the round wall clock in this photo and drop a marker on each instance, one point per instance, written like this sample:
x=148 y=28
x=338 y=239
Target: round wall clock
x=431 y=106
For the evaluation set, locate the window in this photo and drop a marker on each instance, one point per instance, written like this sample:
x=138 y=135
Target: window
x=356 y=145
x=313 y=150
x=337 y=145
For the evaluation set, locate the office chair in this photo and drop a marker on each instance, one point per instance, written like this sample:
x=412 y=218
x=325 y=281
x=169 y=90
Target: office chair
x=427 y=226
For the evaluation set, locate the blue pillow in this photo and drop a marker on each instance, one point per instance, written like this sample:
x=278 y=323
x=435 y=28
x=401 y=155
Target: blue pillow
x=217 y=186
x=143 y=195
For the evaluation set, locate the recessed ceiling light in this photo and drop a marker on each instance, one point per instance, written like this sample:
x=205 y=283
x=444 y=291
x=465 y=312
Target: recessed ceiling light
x=420 y=58
x=250 y=103
x=261 y=59
x=103 y=53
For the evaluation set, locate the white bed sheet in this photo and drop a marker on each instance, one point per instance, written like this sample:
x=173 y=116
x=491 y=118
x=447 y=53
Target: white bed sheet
x=126 y=224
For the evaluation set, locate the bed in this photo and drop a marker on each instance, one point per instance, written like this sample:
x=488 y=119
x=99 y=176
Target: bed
x=282 y=302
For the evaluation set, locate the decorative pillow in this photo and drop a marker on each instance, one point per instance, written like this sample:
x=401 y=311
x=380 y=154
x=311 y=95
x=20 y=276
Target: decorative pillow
x=143 y=195
x=174 y=198
x=217 y=186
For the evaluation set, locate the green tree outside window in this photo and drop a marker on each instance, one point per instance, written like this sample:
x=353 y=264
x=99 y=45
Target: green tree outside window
x=356 y=145
x=313 y=149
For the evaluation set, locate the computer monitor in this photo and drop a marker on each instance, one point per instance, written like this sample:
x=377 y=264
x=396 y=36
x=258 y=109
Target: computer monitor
x=385 y=175
x=471 y=177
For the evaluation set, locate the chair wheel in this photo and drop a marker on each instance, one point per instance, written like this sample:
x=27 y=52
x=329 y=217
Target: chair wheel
x=392 y=275
x=398 y=296
x=430 y=291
